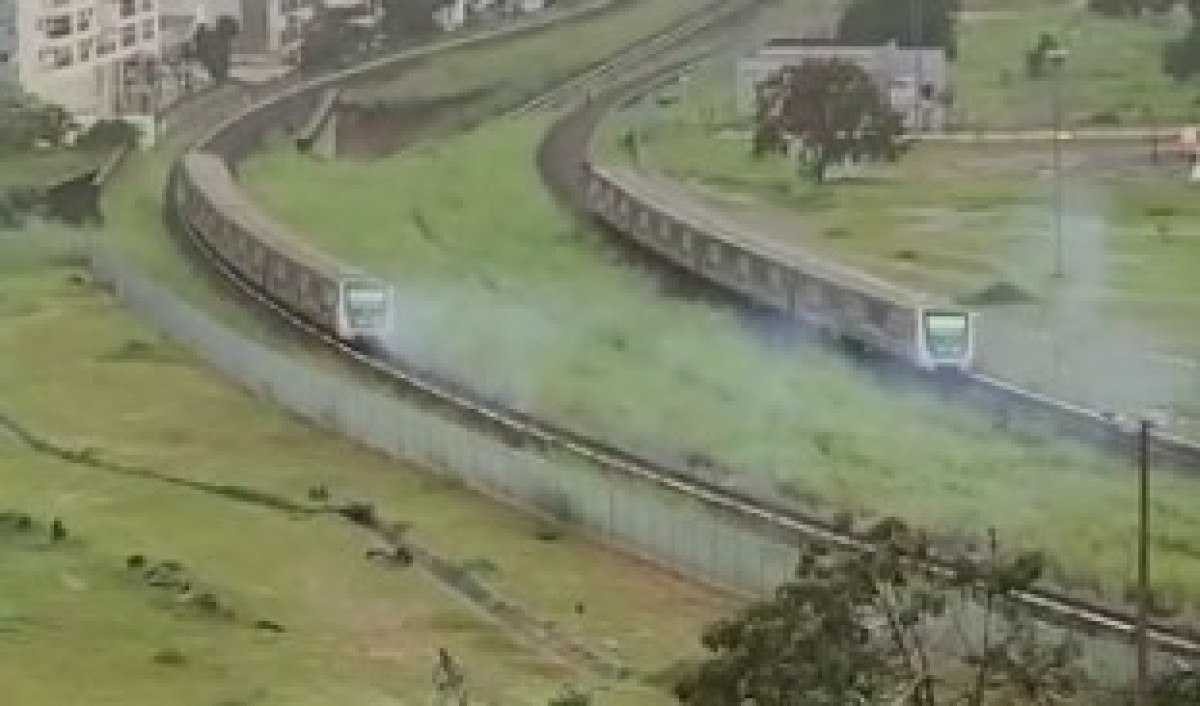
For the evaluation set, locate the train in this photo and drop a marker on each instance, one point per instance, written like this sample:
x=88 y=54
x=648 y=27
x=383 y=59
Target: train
x=932 y=335
x=218 y=216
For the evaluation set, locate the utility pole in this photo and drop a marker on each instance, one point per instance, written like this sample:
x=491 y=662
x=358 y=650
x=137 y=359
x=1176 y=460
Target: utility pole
x=1058 y=57
x=1140 y=692
x=917 y=33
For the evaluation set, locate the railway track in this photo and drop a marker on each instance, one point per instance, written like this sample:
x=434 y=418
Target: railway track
x=1051 y=605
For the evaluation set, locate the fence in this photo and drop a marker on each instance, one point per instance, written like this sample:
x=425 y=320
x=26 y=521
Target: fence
x=681 y=533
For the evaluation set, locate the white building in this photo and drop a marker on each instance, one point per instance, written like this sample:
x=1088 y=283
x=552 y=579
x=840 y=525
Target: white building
x=8 y=40
x=92 y=57
x=451 y=15
x=272 y=29
x=914 y=80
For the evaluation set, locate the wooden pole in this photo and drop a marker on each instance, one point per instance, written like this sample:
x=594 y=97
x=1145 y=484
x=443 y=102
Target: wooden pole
x=1140 y=694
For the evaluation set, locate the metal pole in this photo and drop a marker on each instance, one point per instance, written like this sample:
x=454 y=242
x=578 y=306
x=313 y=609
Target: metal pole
x=1058 y=185
x=1143 y=563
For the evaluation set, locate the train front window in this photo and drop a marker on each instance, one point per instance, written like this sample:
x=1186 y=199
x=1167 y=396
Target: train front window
x=366 y=306
x=946 y=335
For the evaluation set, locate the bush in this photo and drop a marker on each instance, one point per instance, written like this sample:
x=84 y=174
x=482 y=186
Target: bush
x=1035 y=59
x=1181 y=58
x=1116 y=8
x=170 y=657
x=571 y=696
x=360 y=513
x=106 y=133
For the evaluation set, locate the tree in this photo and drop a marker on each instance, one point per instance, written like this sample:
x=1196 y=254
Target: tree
x=409 y=17
x=910 y=23
x=1181 y=57
x=214 y=47
x=1035 y=59
x=832 y=106
x=853 y=628
x=1179 y=687
x=1116 y=8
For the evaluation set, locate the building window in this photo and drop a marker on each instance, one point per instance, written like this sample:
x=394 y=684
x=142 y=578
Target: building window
x=58 y=26
x=83 y=20
x=148 y=29
x=106 y=46
x=147 y=5
x=85 y=49
x=128 y=7
x=3 y=57
x=54 y=4
x=55 y=57
x=128 y=35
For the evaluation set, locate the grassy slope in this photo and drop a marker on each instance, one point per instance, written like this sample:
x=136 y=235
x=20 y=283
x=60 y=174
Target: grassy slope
x=41 y=168
x=518 y=300
x=73 y=622
x=1115 y=66
x=955 y=220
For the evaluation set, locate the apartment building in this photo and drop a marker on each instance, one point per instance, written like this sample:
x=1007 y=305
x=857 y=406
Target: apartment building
x=93 y=57
x=8 y=40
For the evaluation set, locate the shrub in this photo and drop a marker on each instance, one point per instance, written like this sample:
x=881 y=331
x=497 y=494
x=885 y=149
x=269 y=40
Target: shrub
x=107 y=133
x=360 y=513
x=170 y=657
x=571 y=696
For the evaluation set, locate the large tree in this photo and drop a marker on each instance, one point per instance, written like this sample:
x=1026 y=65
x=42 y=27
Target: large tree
x=855 y=628
x=832 y=107
x=909 y=23
x=1181 y=57
x=214 y=47
x=409 y=17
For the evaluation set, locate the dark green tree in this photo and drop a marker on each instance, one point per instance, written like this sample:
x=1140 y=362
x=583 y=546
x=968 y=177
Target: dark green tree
x=214 y=47
x=832 y=106
x=1116 y=8
x=409 y=17
x=1035 y=59
x=1179 y=687
x=910 y=23
x=851 y=628
x=1181 y=57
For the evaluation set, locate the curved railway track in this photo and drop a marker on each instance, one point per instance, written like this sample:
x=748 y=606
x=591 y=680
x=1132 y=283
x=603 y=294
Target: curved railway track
x=577 y=126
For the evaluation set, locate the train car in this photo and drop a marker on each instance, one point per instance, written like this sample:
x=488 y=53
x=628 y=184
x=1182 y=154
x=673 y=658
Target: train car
x=220 y=218
x=844 y=302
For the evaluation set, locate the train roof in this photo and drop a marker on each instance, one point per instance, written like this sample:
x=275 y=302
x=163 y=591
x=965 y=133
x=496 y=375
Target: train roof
x=210 y=173
x=708 y=221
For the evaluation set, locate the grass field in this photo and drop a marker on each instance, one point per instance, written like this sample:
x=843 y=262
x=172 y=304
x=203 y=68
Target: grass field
x=1114 y=68
x=520 y=301
x=40 y=168
x=76 y=625
x=1117 y=333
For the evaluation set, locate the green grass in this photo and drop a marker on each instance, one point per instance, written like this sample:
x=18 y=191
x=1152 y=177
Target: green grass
x=521 y=302
x=1115 y=66
x=75 y=625
x=955 y=220
x=40 y=168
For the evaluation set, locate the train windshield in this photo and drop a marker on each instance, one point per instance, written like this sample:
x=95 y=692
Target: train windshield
x=366 y=305
x=947 y=335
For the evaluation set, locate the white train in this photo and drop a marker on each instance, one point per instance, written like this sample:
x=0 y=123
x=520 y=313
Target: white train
x=216 y=213
x=845 y=302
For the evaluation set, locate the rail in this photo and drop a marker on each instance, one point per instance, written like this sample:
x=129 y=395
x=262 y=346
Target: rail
x=768 y=518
